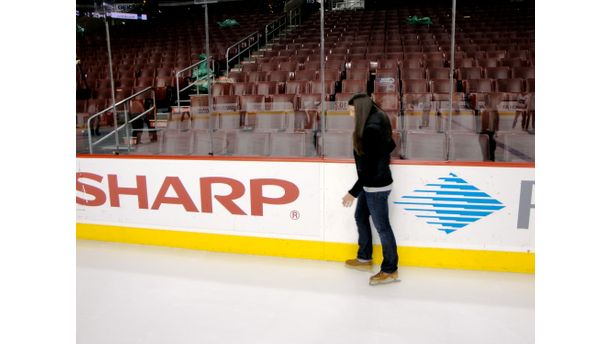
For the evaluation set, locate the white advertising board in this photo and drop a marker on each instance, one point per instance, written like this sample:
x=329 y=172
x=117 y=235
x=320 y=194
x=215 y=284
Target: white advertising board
x=446 y=206
x=270 y=199
x=450 y=207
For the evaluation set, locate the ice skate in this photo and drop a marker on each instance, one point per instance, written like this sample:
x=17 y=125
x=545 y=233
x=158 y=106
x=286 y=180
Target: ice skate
x=383 y=278
x=357 y=264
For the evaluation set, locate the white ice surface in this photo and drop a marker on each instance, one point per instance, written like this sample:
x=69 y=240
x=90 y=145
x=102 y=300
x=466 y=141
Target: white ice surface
x=144 y=294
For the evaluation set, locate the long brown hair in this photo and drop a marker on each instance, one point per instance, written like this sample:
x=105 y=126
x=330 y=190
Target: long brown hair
x=364 y=106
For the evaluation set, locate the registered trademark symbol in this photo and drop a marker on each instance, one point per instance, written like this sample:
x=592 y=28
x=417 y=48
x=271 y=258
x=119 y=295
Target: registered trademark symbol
x=294 y=214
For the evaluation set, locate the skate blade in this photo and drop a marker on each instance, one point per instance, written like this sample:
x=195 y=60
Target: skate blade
x=389 y=281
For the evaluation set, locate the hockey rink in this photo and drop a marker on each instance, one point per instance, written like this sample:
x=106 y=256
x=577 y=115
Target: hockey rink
x=146 y=294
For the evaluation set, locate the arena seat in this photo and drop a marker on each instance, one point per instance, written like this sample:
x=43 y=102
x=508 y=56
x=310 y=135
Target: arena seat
x=523 y=72
x=435 y=63
x=230 y=103
x=221 y=89
x=331 y=74
x=441 y=86
x=478 y=86
x=315 y=87
x=438 y=73
x=354 y=86
x=497 y=73
x=488 y=62
x=278 y=76
x=306 y=75
x=256 y=76
x=237 y=76
x=266 y=88
x=386 y=85
x=268 y=66
x=464 y=73
x=358 y=64
x=289 y=66
x=413 y=73
x=308 y=102
x=415 y=86
x=284 y=99
x=465 y=62
x=411 y=63
x=242 y=88
x=387 y=63
x=296 y=87
x=250 y=68
x=515 y=62
x=358 y=74
x=509 y=85
x=144 y=82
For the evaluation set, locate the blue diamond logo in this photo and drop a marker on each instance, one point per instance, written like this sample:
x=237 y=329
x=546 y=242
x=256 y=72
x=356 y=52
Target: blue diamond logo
x=450 y=204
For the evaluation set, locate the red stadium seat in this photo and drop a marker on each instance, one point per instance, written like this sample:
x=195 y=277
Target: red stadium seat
x=226 y=102
x=266 y=87
x=415 y=86
x=242 y=88
x=488 y=62
x=438 y=73
x=478 y=86
x=268 y=67
x=413 y=73
x=289 y=66
x=358 y=74
x=497 y=73
x=354 y=86
x=315 y=87
x=221 y=89
x=256 y=76
x=237 y=76
x=509 y=85
x=306 y=75
x=441 y=86
x=278 y=76
x=523 y=73
x=465 y=73
x=296 y=87
x=247 y=100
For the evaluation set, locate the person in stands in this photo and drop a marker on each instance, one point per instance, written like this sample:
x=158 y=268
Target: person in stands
x=372 y=147
x=137 y=108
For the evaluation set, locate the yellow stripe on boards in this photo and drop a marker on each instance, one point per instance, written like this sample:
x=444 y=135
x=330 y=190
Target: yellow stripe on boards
x=409 y=256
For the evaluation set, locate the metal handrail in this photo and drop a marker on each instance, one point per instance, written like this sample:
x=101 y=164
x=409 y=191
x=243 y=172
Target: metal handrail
x=281 y=21
x=127 y=120
x=178 y=91
x=245 y=39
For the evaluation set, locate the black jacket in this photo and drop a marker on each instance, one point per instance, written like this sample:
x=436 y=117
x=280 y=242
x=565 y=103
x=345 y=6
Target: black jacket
x=373 y=166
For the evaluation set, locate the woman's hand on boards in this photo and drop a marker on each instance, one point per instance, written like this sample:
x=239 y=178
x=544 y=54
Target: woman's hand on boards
x=347 y=200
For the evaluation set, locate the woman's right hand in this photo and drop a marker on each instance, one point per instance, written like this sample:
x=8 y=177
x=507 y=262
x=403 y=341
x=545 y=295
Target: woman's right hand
x=347 y=200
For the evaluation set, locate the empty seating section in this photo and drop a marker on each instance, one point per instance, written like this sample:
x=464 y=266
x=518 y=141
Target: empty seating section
x=405 y=68
x=149 y=53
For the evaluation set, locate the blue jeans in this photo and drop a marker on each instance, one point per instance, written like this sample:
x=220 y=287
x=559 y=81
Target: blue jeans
x=375 y=204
